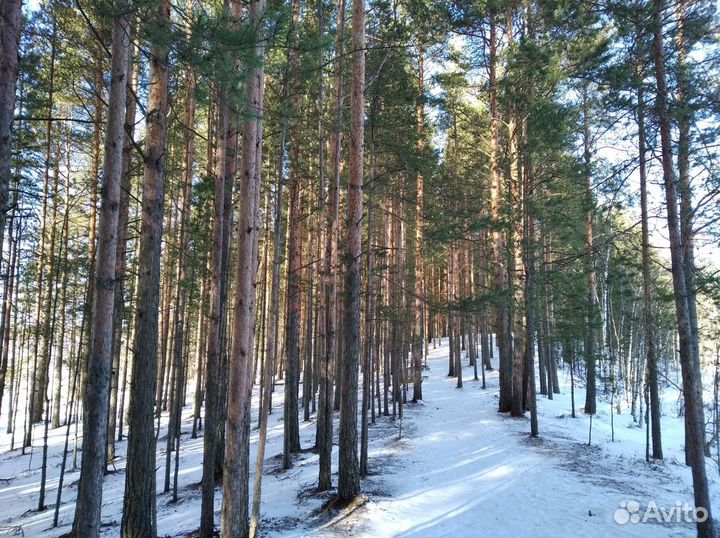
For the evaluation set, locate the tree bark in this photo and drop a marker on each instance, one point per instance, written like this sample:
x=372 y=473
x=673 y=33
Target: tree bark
x=693 y=404
x=9 y=46
x=418 y=326
x=97 y=381
x=271 y=336
x=501 y=279
x=327 y=361
x=291 y=426
x=349 y=477
x=121 y=256
x=139 y=519
x=687 y=234
x=592 y=298
x=213 y=367
x=517 y=270
x=234 y=519
x=648 y=322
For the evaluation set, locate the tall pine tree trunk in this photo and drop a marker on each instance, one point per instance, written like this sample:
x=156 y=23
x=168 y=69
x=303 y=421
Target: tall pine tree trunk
x=349 y=477
x=138 y=519
x=212 y=368
x=693 y=404
x=97 y=380
x=327 y=361
x=270 y=336
x=418 y=327
x=291 y=438
x=10 y=11
x=117 y=407
x=516 y=270
x=648 y=322
x=502 y=322
x=234 y=519
x=592 y=299
x=687 y=234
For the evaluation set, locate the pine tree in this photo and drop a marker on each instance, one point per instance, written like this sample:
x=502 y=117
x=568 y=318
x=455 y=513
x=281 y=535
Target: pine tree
x=235 y=514
x=96 y=392
x=694 y=424
x=9 y=45
x=349 y=476
x=139 y=517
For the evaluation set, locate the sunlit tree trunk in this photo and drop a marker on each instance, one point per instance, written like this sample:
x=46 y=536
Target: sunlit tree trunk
x=139 y=510
x=687 y=234
x=502 y=322
x=648 y=322
x=97 y=380
x=592 y=297
x=121 y=255
x=418 y=327
x=39 y=374
x=234 y=518
x=693 y=404
x=270 y=336
x=212 y=370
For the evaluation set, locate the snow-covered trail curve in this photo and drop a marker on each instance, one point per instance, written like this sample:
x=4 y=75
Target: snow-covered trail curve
x=463 y=469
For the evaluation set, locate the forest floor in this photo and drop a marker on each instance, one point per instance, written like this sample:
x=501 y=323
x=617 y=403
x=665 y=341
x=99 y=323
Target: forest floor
x=453 y=466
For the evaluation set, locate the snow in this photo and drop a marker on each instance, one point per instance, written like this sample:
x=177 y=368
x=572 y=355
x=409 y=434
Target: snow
x=453 y=466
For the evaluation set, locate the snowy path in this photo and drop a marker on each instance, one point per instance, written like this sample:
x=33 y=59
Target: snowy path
x=465 y=470
x=460 y=469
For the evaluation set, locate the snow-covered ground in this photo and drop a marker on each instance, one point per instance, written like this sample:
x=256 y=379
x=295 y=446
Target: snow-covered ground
x=455 y=467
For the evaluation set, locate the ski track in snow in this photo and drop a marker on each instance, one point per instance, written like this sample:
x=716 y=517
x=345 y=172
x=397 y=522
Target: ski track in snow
x=453 y=467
